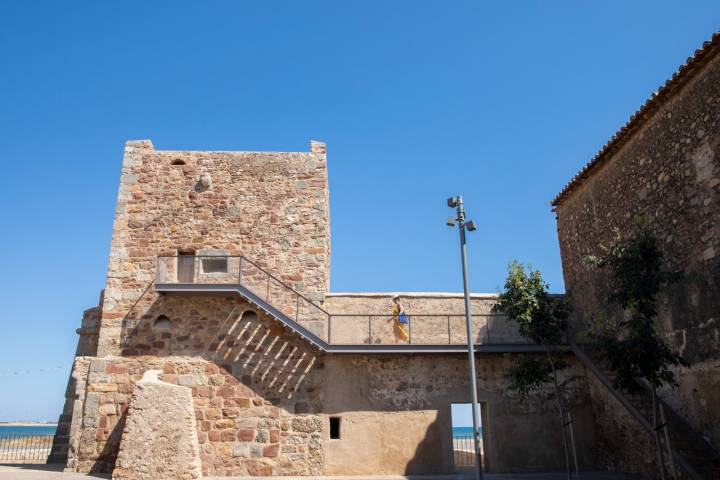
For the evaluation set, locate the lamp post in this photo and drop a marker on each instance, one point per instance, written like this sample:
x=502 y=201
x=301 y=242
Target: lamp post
x=457 y=203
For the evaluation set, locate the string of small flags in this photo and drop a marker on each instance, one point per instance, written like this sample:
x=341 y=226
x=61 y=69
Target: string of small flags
x=23 y=371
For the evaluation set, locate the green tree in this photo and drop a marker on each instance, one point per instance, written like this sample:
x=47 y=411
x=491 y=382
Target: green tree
x=543 y=319
x=630 y=345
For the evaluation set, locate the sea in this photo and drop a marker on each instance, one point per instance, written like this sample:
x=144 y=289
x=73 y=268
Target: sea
x=26 y=431
x=50 y=429
x=463 y=431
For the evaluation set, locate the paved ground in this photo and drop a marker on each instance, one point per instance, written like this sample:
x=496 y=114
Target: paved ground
x=54 y=472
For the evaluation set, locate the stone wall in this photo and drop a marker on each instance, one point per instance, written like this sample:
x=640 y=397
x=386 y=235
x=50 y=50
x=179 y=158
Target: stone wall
x=269 y=206
x=86 y=346
x=160 y=437
x=433 y=318
x=395 y=417
x=666 y=174
x=622 y=445
x=238 y=431
x=400 y=404
x=263 y=400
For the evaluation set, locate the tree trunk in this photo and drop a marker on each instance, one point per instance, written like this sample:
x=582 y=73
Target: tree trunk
x=572 y=444
x=661 y=459
x=668 y=446
x=561 y=413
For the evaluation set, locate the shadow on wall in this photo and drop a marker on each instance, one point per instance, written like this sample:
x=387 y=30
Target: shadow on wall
x=108 y=456
x=267 y=365
x=271 y=366
x=257 y=351
x=431 y=454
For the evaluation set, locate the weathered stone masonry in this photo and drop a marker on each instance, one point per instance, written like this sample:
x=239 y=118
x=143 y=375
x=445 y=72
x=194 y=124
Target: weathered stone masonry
x=269 y=206
x=662 y=170
x=262 y=396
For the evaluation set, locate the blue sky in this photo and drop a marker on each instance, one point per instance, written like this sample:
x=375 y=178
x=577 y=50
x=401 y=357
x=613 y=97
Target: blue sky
x=461 y=414
x=501 y=102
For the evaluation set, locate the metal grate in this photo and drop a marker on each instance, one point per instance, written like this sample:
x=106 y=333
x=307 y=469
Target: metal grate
x=463 y=451
x=17 y=448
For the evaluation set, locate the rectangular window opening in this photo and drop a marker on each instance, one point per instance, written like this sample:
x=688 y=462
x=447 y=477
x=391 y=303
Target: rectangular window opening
x=334 y=428
x=215 y=265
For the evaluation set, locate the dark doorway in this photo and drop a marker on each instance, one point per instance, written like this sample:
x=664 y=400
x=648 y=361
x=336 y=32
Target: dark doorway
x=186 y=267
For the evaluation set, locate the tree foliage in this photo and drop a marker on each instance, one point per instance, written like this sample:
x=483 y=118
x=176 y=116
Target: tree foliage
x=529 y=373
x=541 y=318
x=633 y=350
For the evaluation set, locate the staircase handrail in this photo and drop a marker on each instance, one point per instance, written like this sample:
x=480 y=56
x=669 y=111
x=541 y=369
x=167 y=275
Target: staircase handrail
x=243 y=258
x=634 y=412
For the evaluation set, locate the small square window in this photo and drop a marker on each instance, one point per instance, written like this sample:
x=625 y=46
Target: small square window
x=214 y=265
x=334 y=428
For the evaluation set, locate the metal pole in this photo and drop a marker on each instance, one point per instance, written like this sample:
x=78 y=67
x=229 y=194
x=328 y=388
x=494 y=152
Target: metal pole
x=572 y=443
x=470 y=341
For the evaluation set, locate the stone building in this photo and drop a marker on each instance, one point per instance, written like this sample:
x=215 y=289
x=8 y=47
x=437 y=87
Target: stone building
x=661 y=169
x=219 y=277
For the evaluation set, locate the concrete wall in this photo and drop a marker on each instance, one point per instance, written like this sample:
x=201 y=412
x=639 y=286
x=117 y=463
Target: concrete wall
x=667 y=173
x=269 y=206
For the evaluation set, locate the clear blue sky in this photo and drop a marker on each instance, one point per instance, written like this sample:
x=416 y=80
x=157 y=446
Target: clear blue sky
x=501 y=102
x=461 y=414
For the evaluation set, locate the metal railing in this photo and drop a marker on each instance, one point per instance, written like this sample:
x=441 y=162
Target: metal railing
x=421 y=329
x=19 y=448
x=336 y=329
x=464 y=451
x=692 y=453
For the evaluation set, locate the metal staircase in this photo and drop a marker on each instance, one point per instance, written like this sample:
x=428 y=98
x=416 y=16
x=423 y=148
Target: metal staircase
x=241 y=276
x=696 y=458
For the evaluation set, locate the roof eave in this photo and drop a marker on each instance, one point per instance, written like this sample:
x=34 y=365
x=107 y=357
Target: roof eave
x=674 y=84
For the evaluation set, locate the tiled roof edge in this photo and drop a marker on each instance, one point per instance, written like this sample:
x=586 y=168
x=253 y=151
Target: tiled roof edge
x=637 y=119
